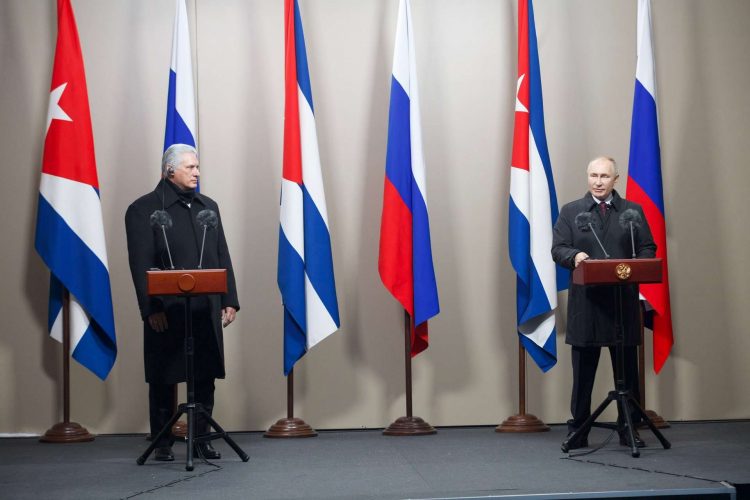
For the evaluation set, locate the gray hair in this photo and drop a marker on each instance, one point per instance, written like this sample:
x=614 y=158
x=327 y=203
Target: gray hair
x=172 y=156
x=608 y=159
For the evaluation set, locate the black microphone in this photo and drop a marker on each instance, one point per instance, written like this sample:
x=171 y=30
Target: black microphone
x=583 y=222
x=632 y=219
x=206 y=218
x=160 y=218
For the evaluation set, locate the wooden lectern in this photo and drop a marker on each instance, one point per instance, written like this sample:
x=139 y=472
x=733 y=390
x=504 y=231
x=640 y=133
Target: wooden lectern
x=618 y=272
x=188 y=283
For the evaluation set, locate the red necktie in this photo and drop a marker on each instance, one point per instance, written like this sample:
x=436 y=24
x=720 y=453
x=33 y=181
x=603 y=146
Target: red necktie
x=603 y=209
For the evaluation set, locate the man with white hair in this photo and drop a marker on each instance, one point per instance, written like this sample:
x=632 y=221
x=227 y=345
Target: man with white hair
x=592 y=309
x=164 y=317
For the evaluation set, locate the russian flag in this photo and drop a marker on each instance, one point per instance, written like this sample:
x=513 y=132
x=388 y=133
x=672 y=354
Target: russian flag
x=405 y=261
x=533 y=206
x=644 y=184
x=69 y=227
x=305 y=268
x=181 y=125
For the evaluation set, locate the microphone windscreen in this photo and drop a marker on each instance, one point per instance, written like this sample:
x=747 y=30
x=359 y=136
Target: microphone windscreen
x=160 y=218
x=583 y=220
x=207 y=218
x=630 y=215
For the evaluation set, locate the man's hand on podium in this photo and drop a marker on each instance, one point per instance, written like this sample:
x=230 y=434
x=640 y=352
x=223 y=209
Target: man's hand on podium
x=580 y=257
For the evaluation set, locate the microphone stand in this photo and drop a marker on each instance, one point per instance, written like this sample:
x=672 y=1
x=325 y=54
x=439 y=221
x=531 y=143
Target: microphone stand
x=164 y=232
x=203 y=244
x=606 y=255
x=192 y=408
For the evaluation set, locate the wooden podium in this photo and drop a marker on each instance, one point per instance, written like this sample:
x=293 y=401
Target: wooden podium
x=187 y=284
x=618 y=272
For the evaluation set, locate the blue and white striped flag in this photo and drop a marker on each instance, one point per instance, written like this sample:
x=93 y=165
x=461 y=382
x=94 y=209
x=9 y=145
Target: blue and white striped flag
x=305 y=268
x=69 y=226
x=533 y=206
x=181 y=125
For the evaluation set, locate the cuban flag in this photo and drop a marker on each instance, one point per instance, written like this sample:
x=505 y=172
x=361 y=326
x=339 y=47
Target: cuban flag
x=305 y=269
x=644 y=184
x=533 y=206
x=181 y=126
x=69 y=228
x=405 y=261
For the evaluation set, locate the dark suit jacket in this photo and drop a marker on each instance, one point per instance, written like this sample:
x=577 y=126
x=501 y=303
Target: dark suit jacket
x=164 y=360
x=591 y=309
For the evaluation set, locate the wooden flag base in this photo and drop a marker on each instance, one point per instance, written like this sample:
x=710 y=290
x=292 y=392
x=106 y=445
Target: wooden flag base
x=524 y=422
x=290 y=428
x=656 y=419
x=66 y=432
x=179 y=429
x=409 y=426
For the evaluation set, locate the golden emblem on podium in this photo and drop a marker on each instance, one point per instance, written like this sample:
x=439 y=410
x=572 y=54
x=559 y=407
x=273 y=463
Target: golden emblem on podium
x=623 y=271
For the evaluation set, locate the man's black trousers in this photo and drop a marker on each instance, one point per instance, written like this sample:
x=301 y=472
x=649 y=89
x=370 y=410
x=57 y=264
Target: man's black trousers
x=585 y=362
x=161 y=407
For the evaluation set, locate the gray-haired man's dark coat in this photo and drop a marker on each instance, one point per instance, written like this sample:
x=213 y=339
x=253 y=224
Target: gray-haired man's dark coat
x=164 y=352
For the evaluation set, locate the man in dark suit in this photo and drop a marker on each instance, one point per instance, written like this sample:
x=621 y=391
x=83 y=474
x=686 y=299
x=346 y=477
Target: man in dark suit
x=592 y=309
x=164 y=317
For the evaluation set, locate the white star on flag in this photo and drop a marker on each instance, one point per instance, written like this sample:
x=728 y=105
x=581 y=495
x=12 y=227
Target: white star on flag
x=55 y=112
x=519 y=104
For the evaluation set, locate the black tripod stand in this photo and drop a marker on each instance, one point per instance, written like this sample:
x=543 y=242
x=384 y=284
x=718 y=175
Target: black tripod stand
x=191 y=408
x=625 y=400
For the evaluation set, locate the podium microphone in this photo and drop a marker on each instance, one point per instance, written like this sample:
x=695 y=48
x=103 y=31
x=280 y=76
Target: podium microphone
x=160 y=218
x=633 y=219
x=206 y=218
x=583 y=221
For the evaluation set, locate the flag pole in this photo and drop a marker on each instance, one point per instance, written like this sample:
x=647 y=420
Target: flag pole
x=408 y=425
x=66 y=431
x=290 y=427
x=407 y=364
x=522 y=421
x=656 y=419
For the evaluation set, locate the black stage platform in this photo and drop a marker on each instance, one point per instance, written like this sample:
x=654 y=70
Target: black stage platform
x=707 y=460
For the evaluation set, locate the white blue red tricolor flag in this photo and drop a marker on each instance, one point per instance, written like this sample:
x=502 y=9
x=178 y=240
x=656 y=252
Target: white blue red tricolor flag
x=533 y=206
x=305 y=272
x=180 y=127
x=69 y=228
x=405 y=261
x=644 y=180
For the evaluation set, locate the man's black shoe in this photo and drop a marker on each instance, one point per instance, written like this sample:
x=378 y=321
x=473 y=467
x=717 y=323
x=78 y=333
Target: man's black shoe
x=625 y=439
x=206 y=450
x=164 y=454
x=581 y=442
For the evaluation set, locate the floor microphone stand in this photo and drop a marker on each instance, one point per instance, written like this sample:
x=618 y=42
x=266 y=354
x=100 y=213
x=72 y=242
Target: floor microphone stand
x=626 y=402
x=192 y=409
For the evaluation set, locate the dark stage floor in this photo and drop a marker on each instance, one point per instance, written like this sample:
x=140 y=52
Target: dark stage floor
x=706 y=460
